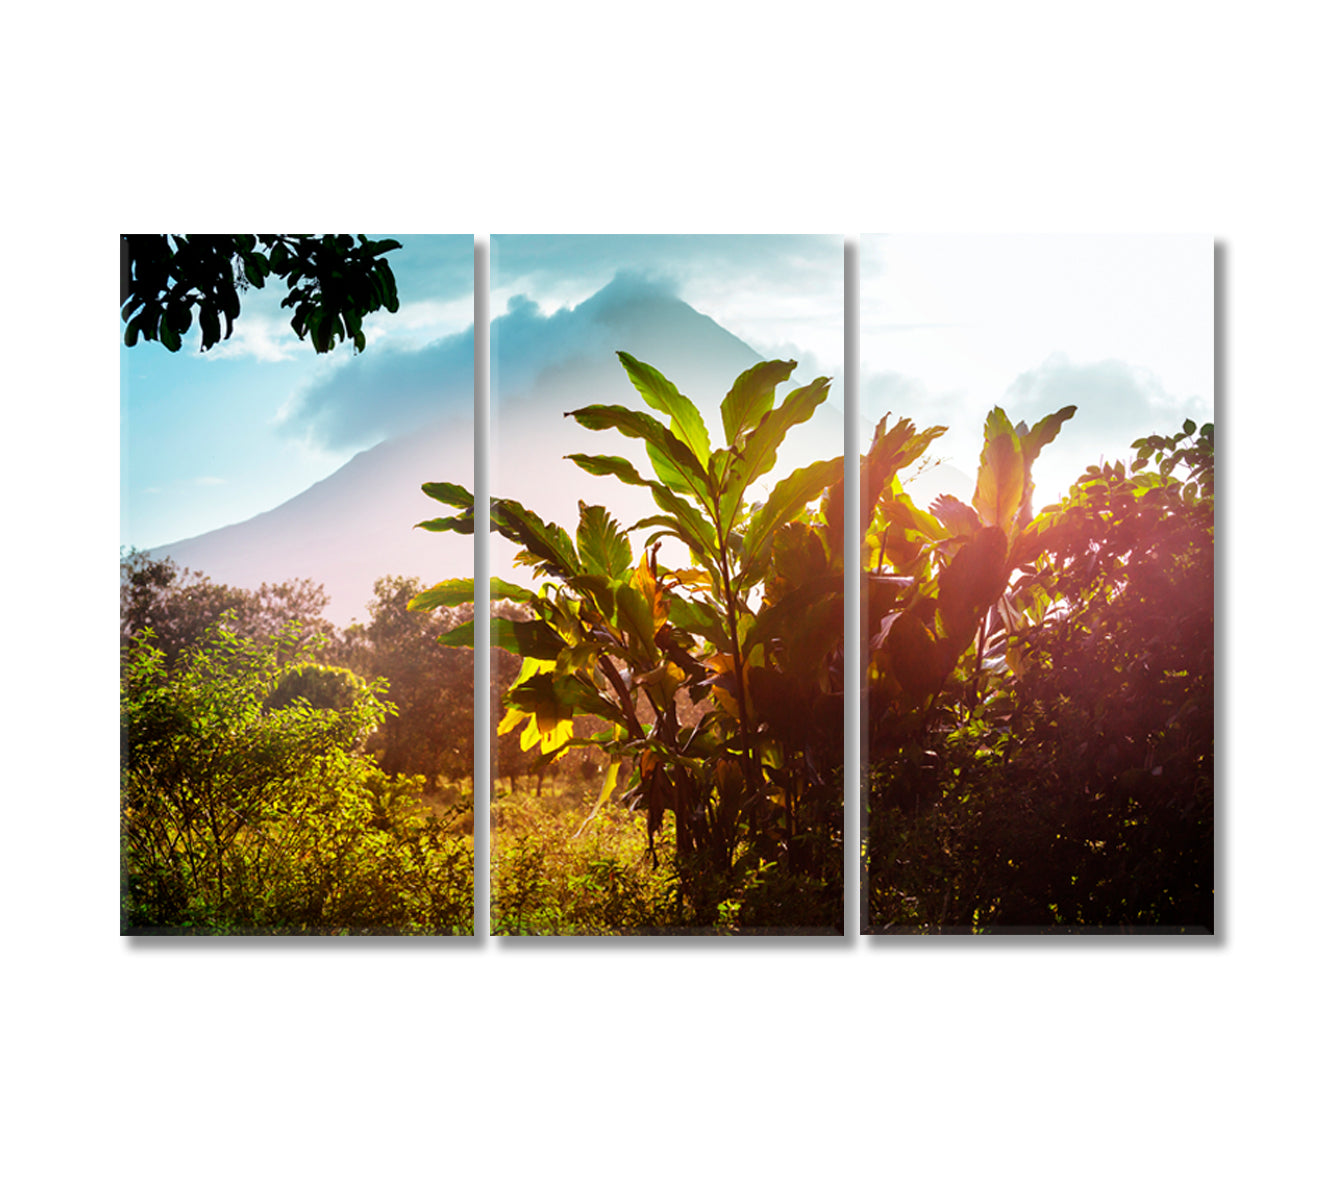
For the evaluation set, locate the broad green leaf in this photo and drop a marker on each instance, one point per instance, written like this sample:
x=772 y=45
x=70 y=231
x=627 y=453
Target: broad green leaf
x=453 y=494
x=1031 y=443
x=582 y=697
x=816 y=605
x=971 y=582
x=463 y=523
x=758 y=450
x=609 y=464
x=1000 y=473
x=696 y=523
x=446 y=594
x=789 y=497
x=597 y=589
x=889 y=453
x=903 y=531
x=582 y=657
x=660 y=393
x=673 y=461
x=502 y=589
x=718 y=463
x=551 y=725
x=460 y=635
x=752 y=395
x=548 y=545
x=603 y=548
x=695 y=616
x=677 y=529
x=636 y=618
x=531 y=639
x=1043 y=433
x=798 y=556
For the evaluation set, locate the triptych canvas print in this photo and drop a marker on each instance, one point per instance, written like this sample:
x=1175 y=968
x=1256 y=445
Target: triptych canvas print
x=734 y=676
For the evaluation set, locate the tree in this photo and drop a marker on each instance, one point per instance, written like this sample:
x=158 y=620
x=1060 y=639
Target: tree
x=181 y=605
x=333 y=283
x=430 y=685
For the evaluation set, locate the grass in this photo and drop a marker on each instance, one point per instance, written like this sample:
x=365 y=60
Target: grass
x=557 y=870
x=559 y=867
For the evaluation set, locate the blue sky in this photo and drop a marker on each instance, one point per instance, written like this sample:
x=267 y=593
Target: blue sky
x=214 y=438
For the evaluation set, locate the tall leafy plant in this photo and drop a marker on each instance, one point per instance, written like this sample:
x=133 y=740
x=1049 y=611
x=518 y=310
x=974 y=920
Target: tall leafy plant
x=935 y=580
x=688 y=665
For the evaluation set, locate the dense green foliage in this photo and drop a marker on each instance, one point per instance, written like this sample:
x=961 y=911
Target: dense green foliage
x=718 y=684
x=249 y=806
x=1039 y=705
x=333 y=283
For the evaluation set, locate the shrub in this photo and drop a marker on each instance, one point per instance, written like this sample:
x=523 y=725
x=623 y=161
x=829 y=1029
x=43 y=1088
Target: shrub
x=246 y=808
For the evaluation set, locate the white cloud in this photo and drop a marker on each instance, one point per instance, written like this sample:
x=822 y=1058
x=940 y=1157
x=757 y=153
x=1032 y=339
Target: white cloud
x=262 y=338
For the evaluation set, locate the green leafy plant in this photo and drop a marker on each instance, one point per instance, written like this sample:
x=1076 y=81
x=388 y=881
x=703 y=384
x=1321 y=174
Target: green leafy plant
x=934 y=581
x=695 y=669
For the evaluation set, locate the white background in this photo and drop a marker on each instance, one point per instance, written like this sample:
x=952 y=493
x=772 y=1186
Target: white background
x=1089 y=1068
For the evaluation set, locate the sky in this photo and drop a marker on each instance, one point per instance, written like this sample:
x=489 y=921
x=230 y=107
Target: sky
x=1119 y=326
x=562 y=306
x=780 y=293
x=210 y=439
x=949 y=326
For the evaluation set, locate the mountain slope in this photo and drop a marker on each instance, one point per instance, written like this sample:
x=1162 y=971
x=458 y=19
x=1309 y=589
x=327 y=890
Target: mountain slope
x=350 y=528
x=358 y=524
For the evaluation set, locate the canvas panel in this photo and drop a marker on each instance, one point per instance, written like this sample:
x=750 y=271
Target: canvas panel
x=1037 y=597
x=312 y=778
x=668 y=584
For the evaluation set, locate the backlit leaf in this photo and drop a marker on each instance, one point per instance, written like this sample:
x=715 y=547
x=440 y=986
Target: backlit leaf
x=789 y=497
x=548 y=545
x=752 y=395
x=660 y=394
x=603 y=548
x=758 y=450
x=443 y=595
x=635 y=616
x=673 y=461
x=1000 y=474
x=609 y=464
